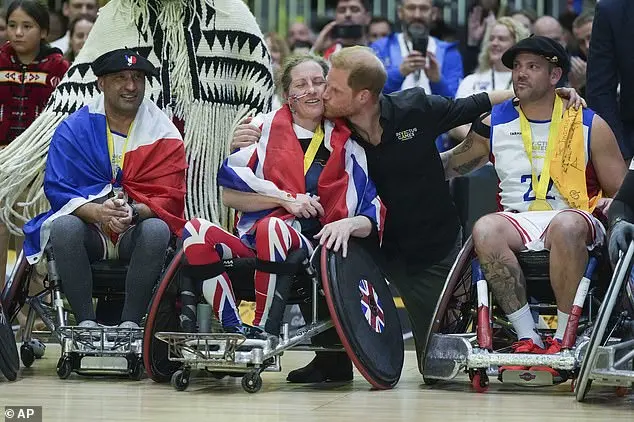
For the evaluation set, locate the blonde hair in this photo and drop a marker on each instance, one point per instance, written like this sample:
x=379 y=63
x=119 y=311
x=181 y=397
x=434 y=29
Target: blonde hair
x=517 y=30
x=366 y=70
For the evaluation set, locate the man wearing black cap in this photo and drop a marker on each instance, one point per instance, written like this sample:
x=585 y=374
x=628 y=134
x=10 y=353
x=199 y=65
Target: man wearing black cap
x=115 y=178
x=553 y=169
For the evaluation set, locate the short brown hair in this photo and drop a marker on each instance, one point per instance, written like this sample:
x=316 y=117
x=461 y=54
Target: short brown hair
x=291 y=62
x=366 y=70
x=582 y=19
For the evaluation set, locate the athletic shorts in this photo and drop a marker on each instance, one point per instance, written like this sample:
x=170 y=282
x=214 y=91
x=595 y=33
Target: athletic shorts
x=532 y=226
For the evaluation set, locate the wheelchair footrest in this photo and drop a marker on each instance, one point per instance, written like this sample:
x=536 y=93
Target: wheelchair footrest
x=526 y=377
x=483 y=359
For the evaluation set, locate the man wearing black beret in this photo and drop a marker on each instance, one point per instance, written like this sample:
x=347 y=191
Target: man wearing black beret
x=556 y=168
x=115 y=178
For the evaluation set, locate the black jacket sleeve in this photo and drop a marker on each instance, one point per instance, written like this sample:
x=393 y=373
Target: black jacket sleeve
x=447 y=114
x=623 y=202
x=602 y=75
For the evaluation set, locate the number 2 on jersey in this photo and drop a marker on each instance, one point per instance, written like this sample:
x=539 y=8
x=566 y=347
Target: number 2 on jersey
x=530 y=193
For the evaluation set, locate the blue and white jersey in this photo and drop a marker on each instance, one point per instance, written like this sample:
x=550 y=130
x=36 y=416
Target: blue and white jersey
x=508 y=155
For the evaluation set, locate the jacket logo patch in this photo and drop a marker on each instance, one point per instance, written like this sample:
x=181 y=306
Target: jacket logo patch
x=406 y=134
x=515 y=133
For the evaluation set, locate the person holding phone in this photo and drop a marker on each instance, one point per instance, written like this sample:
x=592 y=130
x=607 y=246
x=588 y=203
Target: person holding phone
x=413 y=58
x=348 y=29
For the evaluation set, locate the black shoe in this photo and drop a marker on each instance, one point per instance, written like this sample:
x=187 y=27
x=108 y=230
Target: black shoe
x=326 y=366
x=254 y=333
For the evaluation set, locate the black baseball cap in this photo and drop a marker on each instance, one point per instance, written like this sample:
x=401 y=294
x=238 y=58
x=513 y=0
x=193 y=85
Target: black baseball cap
x=120 y=60
x=548 y=48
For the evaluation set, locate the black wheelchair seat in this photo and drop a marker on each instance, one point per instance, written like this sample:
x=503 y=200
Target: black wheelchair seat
x=108 y=277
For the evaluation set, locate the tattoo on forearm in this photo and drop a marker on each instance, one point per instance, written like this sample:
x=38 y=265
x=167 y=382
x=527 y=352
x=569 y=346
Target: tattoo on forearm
x=467 y=167
x=464 y=146
x=506 y=281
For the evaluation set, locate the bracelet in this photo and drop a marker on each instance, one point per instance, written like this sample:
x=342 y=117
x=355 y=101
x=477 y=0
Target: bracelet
x=135 y=215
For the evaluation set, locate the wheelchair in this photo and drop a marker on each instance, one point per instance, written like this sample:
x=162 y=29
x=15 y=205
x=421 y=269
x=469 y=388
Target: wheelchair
x=348 y=294
x=104 y=350
x=609 y=356
x=9 y=360
x=469 y=334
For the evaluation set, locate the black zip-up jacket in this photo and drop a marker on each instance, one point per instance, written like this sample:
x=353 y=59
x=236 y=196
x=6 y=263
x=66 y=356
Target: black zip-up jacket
x=422 y=221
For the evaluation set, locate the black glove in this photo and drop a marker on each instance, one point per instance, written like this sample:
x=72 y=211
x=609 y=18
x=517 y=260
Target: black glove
x=621 y=235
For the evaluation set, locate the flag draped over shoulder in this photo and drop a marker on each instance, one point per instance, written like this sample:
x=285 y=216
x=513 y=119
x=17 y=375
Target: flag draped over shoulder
x=275 y=167
x=78 y=169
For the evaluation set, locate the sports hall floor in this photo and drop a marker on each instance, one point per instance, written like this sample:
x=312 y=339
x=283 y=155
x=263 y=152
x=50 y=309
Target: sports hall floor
x=82 y=399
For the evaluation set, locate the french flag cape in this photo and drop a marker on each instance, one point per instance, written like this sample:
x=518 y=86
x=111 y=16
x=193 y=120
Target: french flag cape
x=78 y=169
x=274 y=167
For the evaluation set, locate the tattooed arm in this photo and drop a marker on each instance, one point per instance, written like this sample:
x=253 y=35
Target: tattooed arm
x=470 y=154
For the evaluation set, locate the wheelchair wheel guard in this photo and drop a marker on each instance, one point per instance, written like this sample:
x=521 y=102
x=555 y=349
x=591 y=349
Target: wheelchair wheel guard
x=162 y=316
x=9 y=359
x=622 y=274
x=15 y=289
x=364 y=314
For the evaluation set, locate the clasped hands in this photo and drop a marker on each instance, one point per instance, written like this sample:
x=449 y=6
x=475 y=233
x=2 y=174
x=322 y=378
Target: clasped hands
x=116 y=214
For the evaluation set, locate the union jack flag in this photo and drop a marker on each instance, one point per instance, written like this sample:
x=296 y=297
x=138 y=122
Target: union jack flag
x=371 y=306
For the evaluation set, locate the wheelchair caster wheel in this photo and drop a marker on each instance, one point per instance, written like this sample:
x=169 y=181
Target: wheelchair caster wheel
x=180 y=380
x=252 y=382
x=27 y=354
x=480 y=382
x=64 y=367
x=38 y=348
x=137 y=370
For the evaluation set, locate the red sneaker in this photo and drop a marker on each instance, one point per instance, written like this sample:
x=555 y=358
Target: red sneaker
x=522 y=346
x=553 y=346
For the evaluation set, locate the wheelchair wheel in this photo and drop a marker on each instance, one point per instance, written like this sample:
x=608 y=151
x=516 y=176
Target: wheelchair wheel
x=364 y=314
x=162 y=316
x=455 y=310
x=9 y=360
x=621 y=273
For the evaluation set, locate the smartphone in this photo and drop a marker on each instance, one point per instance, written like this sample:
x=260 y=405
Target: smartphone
x=420 y=44
x=420 y=38
x=350 y=32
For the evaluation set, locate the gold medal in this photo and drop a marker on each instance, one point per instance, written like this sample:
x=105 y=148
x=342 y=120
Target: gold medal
x=540 y=205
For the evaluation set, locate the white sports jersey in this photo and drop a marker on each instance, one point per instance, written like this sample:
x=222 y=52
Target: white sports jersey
x=516 y=190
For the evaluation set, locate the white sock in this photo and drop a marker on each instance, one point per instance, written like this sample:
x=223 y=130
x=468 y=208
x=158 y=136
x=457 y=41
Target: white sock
x=562 y=321
x=522 y=321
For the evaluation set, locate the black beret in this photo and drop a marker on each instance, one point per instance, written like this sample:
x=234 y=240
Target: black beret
x=548 y=48
x=120 y=60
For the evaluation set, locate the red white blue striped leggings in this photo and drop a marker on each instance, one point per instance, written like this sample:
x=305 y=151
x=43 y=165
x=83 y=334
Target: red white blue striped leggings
x=206 y=243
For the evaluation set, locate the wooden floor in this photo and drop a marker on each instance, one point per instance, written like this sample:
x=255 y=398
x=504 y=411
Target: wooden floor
x=110 y=399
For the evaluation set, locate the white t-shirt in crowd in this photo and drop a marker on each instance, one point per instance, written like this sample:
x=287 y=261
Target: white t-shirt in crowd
x=486 y=81
x=62 y=43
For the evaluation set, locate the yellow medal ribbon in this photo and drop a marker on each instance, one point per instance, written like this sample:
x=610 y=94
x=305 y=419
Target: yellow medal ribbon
x=540 y=186
x=116 y=162
x=313 y=147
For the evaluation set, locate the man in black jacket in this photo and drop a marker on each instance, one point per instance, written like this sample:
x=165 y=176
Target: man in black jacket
x=611 y=62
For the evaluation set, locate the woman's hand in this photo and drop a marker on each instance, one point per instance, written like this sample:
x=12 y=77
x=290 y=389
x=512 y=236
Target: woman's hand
x=335 y=235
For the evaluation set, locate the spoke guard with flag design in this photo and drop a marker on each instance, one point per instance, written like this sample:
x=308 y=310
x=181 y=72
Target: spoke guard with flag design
x=364 y=314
